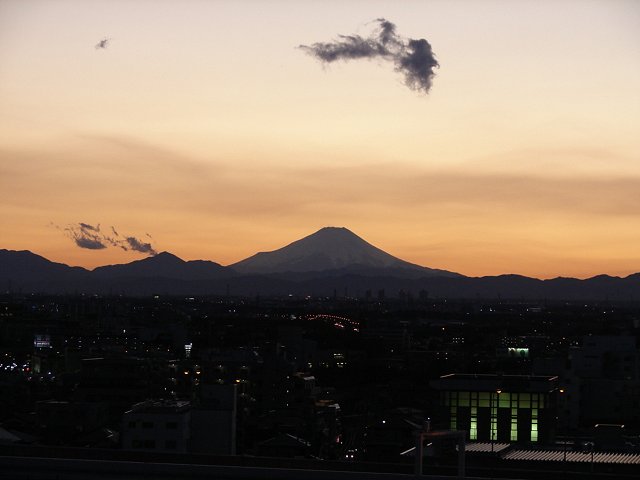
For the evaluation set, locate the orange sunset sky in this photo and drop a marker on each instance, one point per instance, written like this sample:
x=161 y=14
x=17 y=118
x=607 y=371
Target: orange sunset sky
x=204 y=130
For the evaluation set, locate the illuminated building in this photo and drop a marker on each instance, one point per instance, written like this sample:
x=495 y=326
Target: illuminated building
x=500 y=408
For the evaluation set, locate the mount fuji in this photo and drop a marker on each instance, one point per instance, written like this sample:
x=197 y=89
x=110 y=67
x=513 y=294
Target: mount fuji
x=333 y=249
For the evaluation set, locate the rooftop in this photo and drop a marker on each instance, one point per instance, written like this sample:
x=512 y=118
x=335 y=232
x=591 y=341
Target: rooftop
x=161 y=406
x=493 y=382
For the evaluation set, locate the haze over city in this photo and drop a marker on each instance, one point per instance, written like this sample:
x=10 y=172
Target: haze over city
x=214 y=130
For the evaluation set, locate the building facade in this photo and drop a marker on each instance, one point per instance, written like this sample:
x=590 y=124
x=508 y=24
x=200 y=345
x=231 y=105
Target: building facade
x=158 y=426
x=500 y=408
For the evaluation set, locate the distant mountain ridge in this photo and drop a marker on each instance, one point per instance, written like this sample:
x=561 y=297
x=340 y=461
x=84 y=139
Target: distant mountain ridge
x=164 y=265
x=23 y=264
x=329 y=262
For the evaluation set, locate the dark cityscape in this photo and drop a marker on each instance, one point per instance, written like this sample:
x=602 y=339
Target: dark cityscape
x=333 y=383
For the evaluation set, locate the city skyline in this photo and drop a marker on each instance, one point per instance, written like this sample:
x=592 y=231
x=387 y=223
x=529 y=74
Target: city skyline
x=203 y=129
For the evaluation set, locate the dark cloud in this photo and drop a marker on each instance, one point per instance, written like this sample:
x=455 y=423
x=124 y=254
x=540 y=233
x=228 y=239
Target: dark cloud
x=91 y=237
x=104 y=43
x=413 y=58
x=139 y=246
x=347 y=48
x=86 y=236
x=90 y=243
x=86 y=226
x=417 y=65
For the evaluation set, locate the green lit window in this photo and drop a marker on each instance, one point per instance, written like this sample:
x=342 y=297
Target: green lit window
x=473 y=428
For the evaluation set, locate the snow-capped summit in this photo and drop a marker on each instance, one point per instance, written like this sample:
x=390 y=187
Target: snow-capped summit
x=330 y=248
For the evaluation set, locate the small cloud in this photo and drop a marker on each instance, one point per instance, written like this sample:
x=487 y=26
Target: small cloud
x=86 y=226
x=86 y=236
x=139 y=246
x=413 y=58
x=102 y=44
x=90 y=243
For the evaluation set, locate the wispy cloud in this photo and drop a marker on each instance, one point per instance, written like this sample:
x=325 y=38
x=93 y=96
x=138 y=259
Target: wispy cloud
x=413 y=58
x=139 y=246
x=86 y=236
x=91 y=237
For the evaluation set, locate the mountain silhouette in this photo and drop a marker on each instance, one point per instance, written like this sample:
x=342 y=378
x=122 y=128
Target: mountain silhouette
x=330 y=260
x=20 y=267
x=164 y=265
x=332 y=249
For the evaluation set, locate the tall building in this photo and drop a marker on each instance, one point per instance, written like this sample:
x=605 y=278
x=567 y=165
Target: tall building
x=502 y=408
x=213 y=420
x=602 y=382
